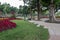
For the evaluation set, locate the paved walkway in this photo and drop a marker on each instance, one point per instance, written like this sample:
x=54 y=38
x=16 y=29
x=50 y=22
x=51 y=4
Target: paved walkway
x=54 y=28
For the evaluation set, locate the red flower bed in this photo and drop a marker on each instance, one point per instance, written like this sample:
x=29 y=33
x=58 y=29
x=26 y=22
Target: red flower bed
x=6 y=24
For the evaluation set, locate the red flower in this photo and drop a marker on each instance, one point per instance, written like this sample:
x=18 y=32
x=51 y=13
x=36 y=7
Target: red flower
x=6 y=24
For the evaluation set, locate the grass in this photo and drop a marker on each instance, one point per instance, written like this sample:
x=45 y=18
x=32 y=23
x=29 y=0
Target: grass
x=25 y=31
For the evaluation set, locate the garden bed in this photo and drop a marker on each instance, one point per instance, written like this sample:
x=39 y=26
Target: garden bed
x=6 y=24
x=11 y=18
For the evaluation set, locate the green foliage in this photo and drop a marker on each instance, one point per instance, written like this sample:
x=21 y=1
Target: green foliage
x=20 y=9
x=14 y=9
x=58 y=13
x=33 y=4
x=47 y=2
x=25 y=9
x=1 y=8
x=6 y=8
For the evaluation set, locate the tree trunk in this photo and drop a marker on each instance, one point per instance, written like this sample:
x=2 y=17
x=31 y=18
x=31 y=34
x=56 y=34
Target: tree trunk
x=52 y=13
x=24 y=11
x=31 y=16
x=39 y=9
x=39 y=15
x=31 y=13
x=30 y=10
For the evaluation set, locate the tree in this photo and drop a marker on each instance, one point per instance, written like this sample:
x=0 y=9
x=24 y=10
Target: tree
x=36 y=5
x=13 y=11
x=1 y=10
x=25 y=1
x=39 y=9
x=20 y=9
x=6 y=8
x=30 y=9
x=51 y=4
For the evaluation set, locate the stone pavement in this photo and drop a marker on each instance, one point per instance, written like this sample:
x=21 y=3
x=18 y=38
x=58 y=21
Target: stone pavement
x=54 y=28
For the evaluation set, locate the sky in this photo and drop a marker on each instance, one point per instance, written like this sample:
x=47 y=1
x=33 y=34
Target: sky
x=14 y=3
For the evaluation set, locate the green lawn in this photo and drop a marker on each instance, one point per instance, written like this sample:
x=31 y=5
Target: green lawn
x=25 y=31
